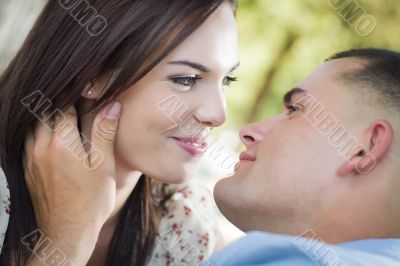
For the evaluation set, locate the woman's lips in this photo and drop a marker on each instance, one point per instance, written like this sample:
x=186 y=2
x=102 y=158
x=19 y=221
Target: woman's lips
x=193 y=146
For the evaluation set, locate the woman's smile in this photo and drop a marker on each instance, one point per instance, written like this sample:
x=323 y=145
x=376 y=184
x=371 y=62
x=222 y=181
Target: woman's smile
x=193 y=146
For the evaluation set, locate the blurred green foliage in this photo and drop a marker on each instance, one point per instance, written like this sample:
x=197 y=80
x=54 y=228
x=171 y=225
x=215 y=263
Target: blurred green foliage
x=281 y=42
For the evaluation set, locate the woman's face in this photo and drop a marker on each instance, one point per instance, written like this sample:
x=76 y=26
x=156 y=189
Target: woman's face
x=167 y=115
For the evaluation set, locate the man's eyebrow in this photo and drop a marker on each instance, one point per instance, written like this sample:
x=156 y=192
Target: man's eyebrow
x=198 y=66
x=287 y=98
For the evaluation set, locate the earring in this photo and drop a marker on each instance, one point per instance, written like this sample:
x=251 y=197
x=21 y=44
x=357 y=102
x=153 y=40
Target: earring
x=89 y=88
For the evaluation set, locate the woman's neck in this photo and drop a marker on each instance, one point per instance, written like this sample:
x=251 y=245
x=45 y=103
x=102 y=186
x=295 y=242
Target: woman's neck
x=126 y=183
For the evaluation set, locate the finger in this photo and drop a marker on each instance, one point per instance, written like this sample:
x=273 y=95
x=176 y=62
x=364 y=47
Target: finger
x=69 y=119
x=104 y=131
x=27 y=155
x=59 y=119
x=28 y=147
x=42 y=134
x=66 y=127
x=27 y=164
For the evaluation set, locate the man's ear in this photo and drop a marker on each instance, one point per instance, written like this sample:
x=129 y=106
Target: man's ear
x=379 y=138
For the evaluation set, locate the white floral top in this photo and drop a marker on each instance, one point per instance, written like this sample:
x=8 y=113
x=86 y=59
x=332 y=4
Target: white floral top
x=4 y=207
x=188 y=231
x=188 y=228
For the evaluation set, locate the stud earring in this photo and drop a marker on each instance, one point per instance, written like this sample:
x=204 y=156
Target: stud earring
x=89 y=88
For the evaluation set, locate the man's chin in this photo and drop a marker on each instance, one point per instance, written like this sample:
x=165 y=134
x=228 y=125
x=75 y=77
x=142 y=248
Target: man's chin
x=227 y=200
x=225 y=193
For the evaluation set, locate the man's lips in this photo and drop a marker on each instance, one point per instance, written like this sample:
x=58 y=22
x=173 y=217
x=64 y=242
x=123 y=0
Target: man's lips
x=244 y=156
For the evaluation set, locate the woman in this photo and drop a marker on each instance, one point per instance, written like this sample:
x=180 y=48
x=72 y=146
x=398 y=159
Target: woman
x=91 y=198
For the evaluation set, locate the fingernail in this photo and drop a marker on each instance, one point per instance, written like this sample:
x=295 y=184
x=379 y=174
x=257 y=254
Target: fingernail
x=114 y=111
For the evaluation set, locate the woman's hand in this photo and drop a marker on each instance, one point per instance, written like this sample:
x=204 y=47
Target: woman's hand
x=73 y=189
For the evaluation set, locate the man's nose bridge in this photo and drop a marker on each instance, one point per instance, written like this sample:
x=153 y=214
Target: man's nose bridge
x=265 y=126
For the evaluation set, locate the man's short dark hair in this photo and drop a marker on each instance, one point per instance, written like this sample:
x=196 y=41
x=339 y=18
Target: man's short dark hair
x=380 y=74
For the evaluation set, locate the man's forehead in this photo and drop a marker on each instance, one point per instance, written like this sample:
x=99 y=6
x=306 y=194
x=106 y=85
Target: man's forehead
x=327 y=76
x=333 y=69
x=324 y=83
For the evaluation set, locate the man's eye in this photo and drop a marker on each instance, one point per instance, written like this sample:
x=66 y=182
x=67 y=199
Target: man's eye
x=228 y=80
x=293 y=108
x=185 y=81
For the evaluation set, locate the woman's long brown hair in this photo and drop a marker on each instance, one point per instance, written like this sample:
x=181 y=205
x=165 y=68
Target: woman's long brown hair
x=72 y=42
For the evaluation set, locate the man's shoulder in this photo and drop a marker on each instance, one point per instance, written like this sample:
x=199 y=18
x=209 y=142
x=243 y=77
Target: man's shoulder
x=259 y=248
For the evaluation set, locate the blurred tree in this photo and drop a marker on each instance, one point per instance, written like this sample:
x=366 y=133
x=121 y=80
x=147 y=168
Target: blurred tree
x=281 y=42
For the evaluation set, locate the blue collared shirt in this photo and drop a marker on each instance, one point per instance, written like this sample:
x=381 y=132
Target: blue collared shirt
x=259 y=248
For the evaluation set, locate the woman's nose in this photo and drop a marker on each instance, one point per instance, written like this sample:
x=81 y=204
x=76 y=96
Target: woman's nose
x=212 y=111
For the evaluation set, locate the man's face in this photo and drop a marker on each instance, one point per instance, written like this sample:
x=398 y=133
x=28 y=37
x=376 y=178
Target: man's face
x=286 y=177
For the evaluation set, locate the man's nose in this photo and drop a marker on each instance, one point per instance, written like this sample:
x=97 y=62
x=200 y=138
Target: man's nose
x=253 y=134
x=250 y=135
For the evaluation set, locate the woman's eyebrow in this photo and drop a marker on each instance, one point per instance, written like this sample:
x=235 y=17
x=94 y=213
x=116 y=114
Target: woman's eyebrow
x=235 y=67
x=191 y=64
x=198 y=66
x=287 y=98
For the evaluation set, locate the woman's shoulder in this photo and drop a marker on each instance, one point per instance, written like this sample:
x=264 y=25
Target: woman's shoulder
x=4 y=206
x=188 y=230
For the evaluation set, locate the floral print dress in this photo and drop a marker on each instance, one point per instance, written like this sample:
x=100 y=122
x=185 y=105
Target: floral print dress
x=4 y=207
x=187 y=232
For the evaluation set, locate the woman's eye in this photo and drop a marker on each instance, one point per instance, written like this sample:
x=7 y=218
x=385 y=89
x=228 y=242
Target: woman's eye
x=228 y=80
x=189 y=81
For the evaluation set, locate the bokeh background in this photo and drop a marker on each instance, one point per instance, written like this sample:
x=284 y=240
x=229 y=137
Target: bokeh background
x=280 y=43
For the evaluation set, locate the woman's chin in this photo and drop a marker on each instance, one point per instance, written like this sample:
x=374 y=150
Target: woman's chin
x=180 y=176
x=175 y=180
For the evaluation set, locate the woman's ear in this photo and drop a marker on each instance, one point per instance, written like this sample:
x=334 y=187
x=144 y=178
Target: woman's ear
x=91 y=91
x=99 y=85
x=379 y=138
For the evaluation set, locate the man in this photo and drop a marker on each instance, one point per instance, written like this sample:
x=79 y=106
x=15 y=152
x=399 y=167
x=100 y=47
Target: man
x=323 y=177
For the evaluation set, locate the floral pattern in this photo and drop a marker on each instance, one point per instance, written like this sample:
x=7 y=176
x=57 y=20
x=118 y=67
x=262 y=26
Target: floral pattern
x=188 y=230
x=5 y=207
